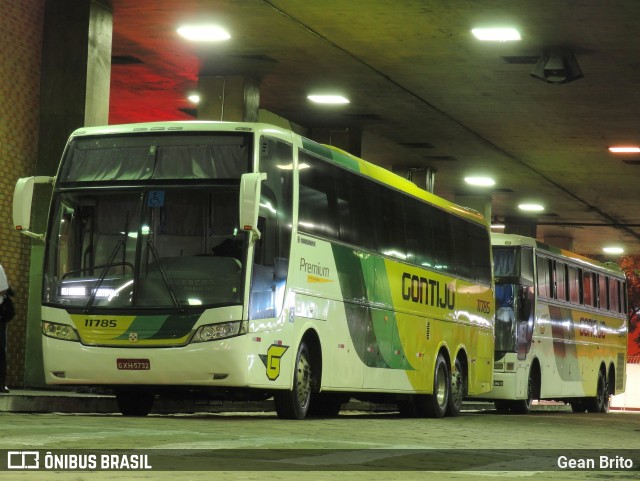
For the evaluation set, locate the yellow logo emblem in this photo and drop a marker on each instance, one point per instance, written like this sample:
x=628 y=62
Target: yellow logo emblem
x=272 y=360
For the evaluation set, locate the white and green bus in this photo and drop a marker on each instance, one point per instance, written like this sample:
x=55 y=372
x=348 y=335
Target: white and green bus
x=243 y=261
x=561 y=327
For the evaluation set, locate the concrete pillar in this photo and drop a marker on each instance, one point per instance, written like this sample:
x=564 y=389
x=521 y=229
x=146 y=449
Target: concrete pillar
x=74 y=92
x=346 y=138
x=232 y=98
x=563 y=242
x=76 y=72
x=521 y=226
x=481 y=203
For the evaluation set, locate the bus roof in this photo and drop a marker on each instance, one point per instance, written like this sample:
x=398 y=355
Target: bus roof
x=181 y=126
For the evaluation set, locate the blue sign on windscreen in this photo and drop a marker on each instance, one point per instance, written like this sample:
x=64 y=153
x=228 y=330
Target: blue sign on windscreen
x=155 y=198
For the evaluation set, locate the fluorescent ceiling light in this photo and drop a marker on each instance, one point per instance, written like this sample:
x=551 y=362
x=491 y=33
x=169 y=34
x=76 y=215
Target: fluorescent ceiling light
x=480 y=181
x=194 y=98
x=531 y=207
x=613 y=250
x=204 y=33
x=496 y=34
x=498 y=226
x=630 y=149
x=328 y=99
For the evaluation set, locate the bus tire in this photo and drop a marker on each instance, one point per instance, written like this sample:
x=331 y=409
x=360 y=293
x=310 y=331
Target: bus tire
x=458 y=389
x=134 y=402
x=435 y=405
x=523 y=406
x=294 y=403
x=600 y=403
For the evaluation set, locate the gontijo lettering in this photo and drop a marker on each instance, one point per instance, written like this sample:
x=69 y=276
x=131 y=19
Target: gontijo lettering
x=592 y=328
x=427 y=291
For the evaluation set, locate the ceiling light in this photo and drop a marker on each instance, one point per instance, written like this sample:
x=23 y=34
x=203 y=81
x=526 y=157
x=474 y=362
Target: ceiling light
x=328 y=99
x=204 y=33
x=531 y=207
x=496 y=34
x=194 y=98
x=498 y=226
x=613 y=250
x=480 y=181
x=625 y=149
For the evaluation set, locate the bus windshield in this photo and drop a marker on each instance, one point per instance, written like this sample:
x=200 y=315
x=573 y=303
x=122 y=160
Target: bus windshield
x=169 y=248
x=513 y=271
x=148 y=221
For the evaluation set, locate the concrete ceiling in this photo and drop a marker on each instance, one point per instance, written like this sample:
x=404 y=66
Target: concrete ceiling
x=425 y=92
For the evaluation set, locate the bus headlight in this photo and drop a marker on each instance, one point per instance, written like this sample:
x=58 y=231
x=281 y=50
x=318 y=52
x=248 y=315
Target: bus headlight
x=59 y=331
x=214 y=332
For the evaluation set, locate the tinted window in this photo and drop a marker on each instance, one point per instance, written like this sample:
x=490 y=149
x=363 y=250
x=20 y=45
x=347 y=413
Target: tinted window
x=390 y=239
x=355 y=212
x=614 y=295
x=418 y=233
x=603 y=293
x=544 y=277
x=588 y=289
x=343 y=205
x=574 y=284
x=561 y=281
x=317 y=213
x=442 y=241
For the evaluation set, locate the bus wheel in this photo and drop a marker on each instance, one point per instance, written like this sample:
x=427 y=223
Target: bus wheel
x=134 y=402
x=435 y=405
x=523 y=406
x=600 y=403
x=458 y=389
x=294 y=404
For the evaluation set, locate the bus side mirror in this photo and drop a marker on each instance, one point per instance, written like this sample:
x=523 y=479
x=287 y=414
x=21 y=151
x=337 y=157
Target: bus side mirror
x=22 y=200
x=250 y=186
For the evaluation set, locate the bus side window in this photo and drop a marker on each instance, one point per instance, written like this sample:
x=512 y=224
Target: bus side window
x=317 y=211
x=574 y=285
x=614 y=295
x=388 y=223
x=526 y=264
x=544 y=277
x=561 y=281
x=603 y=292
x=588 y=289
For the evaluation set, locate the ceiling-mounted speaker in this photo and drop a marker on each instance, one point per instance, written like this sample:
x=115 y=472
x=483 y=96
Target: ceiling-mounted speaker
x=557 y=68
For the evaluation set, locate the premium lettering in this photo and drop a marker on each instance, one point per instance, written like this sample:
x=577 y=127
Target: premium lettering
x=316 y=269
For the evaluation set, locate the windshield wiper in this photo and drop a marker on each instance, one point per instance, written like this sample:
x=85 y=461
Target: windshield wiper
x=163 y=273
x=103 y=274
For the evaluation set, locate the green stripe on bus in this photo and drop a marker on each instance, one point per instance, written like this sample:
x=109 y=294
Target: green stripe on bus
x=386 y=322
x=337 y=156
x=369 y=308
x=316 y=148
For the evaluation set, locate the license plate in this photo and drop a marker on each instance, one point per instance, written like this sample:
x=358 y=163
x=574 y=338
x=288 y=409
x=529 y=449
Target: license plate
x=133 y=364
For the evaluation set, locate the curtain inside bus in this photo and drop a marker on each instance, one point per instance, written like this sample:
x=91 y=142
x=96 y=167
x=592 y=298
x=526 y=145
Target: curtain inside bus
x=149 y=157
